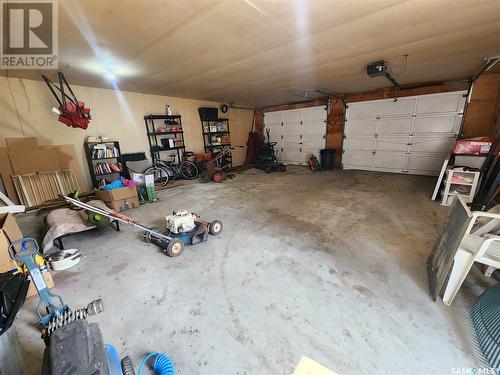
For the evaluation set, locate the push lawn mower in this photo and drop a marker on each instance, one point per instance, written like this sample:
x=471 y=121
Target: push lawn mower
x=266 y=159
x=183 y=228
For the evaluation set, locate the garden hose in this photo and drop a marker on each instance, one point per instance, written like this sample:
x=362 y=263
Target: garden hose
x=162 y=364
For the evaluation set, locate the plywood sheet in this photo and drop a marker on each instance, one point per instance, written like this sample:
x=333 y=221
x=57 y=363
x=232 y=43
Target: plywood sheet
x=22 y=144
x=5 y=173
x=34 y=161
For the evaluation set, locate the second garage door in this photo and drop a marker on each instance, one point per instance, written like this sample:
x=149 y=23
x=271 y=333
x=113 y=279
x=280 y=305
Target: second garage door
x=297 y=132
x=411 y=135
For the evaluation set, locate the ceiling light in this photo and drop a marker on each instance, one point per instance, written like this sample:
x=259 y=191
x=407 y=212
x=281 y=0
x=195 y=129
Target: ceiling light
x=110 y=77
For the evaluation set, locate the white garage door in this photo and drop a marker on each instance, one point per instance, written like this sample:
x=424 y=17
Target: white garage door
x=411 y=135
x=298 y=133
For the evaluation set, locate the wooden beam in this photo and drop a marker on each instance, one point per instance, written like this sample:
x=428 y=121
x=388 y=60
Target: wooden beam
x=296 y=105
x=390 y=92
x=480 y=116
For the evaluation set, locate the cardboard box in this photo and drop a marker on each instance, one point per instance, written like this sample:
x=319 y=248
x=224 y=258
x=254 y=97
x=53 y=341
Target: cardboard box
x=119 y=199
x=34 y=161
x=48 y=280
x=9 y=232
x=124 y=204
x=473 y=146
x=22 y=144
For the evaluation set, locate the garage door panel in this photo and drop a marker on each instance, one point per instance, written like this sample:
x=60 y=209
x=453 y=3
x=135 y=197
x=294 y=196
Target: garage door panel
x=412 y=134
x=364 y=109
x=291 y=154
x=359 y=143
x=394 y=143
x=297 y=132
x=361 y=126
x=317 y=114
x=441 y=103
x=425 y=163
x=312 y=142
x=291 y=126
x=400 y=107
x=291 y=132
x=437 y=124
x=357 y=160
x=274 y=129
x=390 y=160
x=314 y=129
x=394 y=126
x=432 y=144
x=273 y=118
x=292 y=116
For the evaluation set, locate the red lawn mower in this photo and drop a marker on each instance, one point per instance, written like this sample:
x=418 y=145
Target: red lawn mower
x=215 y=168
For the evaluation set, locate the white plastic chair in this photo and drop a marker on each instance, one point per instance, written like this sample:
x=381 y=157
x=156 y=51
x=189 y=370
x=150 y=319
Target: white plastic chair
x=480 y=243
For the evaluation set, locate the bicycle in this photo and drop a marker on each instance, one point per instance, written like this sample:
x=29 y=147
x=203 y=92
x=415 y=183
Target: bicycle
x=163 y=171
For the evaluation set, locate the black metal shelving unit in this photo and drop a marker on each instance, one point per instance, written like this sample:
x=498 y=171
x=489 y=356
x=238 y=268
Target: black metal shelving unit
x=159 y=136
x=100 y=155
x=212 y=131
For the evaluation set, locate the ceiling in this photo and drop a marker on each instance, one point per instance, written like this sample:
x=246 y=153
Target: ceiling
x=256 y=52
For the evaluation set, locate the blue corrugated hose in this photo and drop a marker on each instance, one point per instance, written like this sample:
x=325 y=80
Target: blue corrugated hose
x=162 y=364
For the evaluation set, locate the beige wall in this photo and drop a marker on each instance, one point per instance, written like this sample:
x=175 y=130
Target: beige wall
x=25 y=110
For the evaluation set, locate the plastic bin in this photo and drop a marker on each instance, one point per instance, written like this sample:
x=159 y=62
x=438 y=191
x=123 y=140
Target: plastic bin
x=328 y=159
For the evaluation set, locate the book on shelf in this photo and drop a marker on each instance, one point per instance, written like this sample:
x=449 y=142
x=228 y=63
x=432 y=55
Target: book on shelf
x=105 y=168
x=104 y=150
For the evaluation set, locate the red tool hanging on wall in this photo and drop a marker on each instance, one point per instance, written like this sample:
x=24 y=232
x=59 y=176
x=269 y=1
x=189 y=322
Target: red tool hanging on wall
x=72 y=111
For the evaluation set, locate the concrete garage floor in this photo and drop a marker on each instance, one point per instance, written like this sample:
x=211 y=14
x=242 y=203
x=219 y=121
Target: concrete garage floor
x=329 y=265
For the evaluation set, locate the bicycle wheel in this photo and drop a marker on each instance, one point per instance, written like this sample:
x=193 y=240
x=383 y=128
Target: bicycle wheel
x=189 y=170
x=160 y=174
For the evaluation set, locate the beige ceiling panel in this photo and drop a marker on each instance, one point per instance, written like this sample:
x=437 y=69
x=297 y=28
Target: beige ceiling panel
x=263 y=52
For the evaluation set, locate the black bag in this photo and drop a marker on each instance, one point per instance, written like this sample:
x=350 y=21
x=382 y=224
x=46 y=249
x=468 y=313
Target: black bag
x=13 y=290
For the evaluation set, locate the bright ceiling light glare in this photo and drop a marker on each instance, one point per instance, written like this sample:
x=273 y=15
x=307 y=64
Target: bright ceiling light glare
x=112 y=71
x=110 y=77
x=101 y=64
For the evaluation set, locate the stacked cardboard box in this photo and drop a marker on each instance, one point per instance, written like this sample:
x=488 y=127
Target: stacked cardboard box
x=120 y=199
